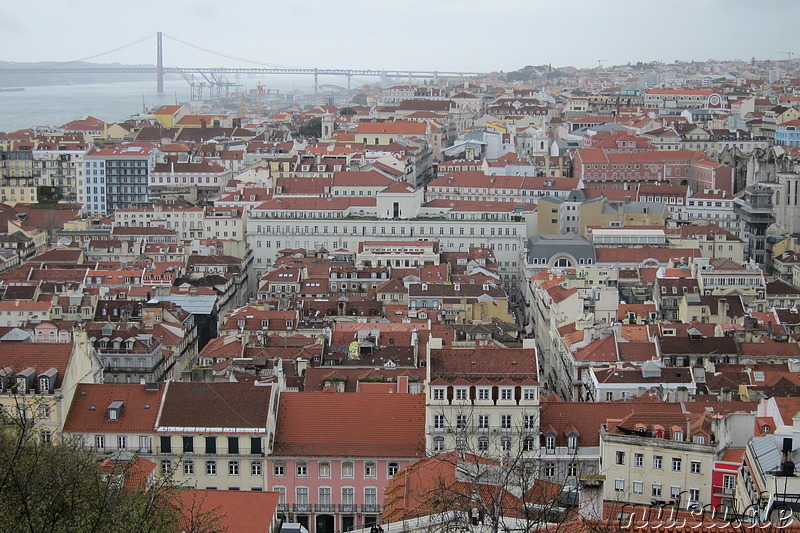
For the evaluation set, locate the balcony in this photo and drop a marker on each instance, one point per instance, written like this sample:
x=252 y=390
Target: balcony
x=325 y=508
x=283 y=507
x=348 y=508
x=371 y=508
x=301 y=508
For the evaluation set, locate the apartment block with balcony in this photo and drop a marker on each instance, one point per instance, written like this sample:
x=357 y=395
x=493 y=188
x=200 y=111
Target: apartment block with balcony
x=335 y=454
x=482 y=400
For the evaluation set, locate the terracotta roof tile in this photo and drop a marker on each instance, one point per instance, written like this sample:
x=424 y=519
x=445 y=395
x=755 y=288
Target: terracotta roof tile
x=88 y=413
x=351 y=425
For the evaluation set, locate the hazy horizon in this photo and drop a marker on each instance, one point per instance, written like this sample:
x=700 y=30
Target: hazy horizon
x=464 y=35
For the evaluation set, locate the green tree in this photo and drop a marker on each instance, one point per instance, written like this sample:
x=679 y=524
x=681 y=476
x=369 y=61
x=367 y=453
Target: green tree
x=347 y=111
x=312 y=128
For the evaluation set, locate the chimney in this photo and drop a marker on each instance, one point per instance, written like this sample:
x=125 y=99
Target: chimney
x=402 y=384
x=203 y=123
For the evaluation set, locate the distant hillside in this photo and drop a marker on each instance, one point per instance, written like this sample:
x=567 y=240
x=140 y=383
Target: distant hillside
x=52 y=78
x=533 y=72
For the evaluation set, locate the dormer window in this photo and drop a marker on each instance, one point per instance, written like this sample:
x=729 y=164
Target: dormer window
x=115 y=410
x=550 y=443
x=572 y=442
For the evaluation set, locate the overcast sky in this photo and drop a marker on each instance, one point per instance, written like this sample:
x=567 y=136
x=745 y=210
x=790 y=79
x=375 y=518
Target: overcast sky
x=464 y=35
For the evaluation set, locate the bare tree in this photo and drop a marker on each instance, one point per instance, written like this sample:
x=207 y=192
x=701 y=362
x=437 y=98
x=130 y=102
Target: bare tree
x=58 y=486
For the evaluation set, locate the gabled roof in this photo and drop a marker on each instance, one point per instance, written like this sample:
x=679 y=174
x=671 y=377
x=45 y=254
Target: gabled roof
x=350 y=425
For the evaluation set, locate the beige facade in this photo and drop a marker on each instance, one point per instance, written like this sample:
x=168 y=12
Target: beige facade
x=639 y=470
x=11 y=195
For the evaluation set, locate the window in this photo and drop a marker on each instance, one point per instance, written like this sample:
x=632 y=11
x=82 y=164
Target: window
x=301 y=495
x=301 y=470
x=211 y=444
x=529 y=421
x=620 y=458
x=656 y=490
x=728 y=483
x=529 y=444
x=461 y=393
x=393 y=469
x=44 y=412
x=122 y=442
x=370 y=470
x=529 y=393
x=371 y=497
x=549 y=470
x=166 y=466
x=211 y=468
x=674 y=492
x=438 y=444
x=188 y=468
x=572 y=470
x=324 y=496
x=188 y=444
x=233 y=445
x=461 y=421
x=678 y=436
x=506 y=393
x=638 y=487
x=278 y=470
x=483 y=394
x=676 y=464
x=255 y=445
x=572 y=442
x=99 y=442
x=483 y=443
x=347 y=469
x=505 y=444
x=166 y=444
x=255 y=468
x=638 y=459
x=348 y=496
x=438 y=421
x=619 y=485
x=483 y=421
x=657 y=462
x=324 y=470
x=550 y=443
x=694 y=495
x=695 y=467
x=438 y=393
x=233 y=468
x=505 y=421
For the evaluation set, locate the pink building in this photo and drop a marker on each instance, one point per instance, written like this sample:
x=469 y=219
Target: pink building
x=335 y=453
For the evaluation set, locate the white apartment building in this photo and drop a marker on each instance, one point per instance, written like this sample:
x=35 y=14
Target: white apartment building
x=396 y=214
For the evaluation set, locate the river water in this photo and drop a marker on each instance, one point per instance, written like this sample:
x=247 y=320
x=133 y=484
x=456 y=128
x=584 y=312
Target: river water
x=111 y=102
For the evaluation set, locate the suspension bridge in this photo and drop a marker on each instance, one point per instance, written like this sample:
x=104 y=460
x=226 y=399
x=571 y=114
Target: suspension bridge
x=218 y=81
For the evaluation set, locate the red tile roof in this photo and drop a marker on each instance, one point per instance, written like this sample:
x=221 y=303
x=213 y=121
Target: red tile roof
x=39 y=356
x=238 y=511
x=350 y=425
x=88 y=411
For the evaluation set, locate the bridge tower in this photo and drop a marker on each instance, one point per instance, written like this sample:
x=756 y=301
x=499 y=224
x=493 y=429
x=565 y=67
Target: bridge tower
x=159 y=66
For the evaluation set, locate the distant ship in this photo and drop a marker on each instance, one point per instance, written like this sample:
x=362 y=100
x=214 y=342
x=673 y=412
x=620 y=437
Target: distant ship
x=11 y=89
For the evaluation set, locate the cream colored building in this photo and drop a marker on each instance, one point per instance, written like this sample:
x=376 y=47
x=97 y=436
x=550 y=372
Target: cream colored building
x=659 y=461
x=11 y=195
x=483 y=401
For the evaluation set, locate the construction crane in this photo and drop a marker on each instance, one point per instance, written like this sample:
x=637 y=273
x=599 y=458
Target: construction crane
x=788 y=54
x=600 y=63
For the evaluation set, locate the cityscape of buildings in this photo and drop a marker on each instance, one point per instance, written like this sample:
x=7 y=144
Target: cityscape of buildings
x=527 y=299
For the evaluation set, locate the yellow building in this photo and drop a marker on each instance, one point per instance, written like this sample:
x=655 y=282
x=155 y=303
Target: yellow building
x=38 y=380
x=11 y=195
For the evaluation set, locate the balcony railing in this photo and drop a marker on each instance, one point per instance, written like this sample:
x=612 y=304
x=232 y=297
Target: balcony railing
x=348 y=508
x=370 y=508
x=325 y=508
x=301 y=508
